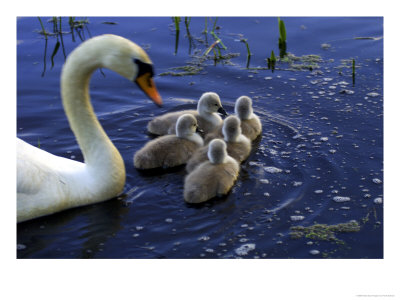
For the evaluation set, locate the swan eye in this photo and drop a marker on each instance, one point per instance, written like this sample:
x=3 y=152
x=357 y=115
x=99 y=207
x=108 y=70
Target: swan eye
x=144 y=68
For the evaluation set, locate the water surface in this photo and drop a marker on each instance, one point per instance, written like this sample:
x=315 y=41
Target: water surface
x=322 y=141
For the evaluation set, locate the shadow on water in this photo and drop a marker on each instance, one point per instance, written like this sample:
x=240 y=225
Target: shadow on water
x=91 y=226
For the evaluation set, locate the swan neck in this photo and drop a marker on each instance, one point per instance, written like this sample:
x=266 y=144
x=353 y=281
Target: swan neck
x=96 y=147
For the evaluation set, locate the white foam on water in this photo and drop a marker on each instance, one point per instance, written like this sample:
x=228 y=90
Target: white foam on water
x=245 y=249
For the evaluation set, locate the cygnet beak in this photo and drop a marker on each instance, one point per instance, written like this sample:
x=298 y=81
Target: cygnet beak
x=222 y=111
x=199 y=130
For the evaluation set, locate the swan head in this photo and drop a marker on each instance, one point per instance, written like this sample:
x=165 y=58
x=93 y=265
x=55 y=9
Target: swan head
x=244 y=108
x=231 y=129
x=210 y=103
x=186 y=125
x=217 y=151
x=130 y=61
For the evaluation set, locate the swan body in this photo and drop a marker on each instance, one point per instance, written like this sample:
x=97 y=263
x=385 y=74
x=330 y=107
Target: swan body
x=238 y=145
x=250 y=122
x=47 y=183
x=208 y=107
x=170 y=150
x=212 y=178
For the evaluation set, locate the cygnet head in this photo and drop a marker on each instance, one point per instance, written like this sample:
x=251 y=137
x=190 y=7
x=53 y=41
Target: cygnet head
x=231 y=129
x=124 y=57
x=186 y=125
x=217 y=151
x=244 y=107
x=210 y=103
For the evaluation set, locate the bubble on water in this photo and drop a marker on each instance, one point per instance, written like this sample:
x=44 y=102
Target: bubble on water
x=318 y=191
x=343 y=83
x=324 y=138
x=297 y=183
x=245 y=249
x=333 y=151
x=378 y=200
x=203 y=238
x=341 y=199
x=266 y=194
x=373 y=94
x=272 y=170
x=243 y=240
x=296 y=218
x=244 y=225
x=168 y=220
x=267 y=78
x=345 y=207
x=266 y=181
x=210 y=250
x=139 y=228
x=377 y=181
x=135 y=235
x=314 y=252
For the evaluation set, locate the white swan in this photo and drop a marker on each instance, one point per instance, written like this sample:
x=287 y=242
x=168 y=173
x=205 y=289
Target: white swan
x=47 y=183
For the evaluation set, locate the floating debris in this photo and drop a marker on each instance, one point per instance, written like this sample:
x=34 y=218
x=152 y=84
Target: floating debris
x=168 y=220
x=377 y=181
x=297 y=183
x=266 y=181
x=347 y=92
x=325 y=46
x=272 y=170
x=245 y=249
x=314 y=252
x=372 y=94
x=318 y=191
x=296 y=218
x=21 y=247
x=203 y=238
x=341 y=199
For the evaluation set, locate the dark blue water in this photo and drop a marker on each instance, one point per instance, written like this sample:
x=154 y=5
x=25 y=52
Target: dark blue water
x=322 y=137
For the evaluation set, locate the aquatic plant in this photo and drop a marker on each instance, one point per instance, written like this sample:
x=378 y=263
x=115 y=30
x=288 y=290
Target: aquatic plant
x=248 y=51
x=177 y=21
x=76 y=26
x=323 y=232
x=271 y=61
x=282 y=38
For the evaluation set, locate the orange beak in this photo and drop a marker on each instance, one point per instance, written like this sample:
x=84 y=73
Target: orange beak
x=146 y=84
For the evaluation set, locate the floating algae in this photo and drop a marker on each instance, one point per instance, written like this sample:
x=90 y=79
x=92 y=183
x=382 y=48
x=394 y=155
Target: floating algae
x=324 y=232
